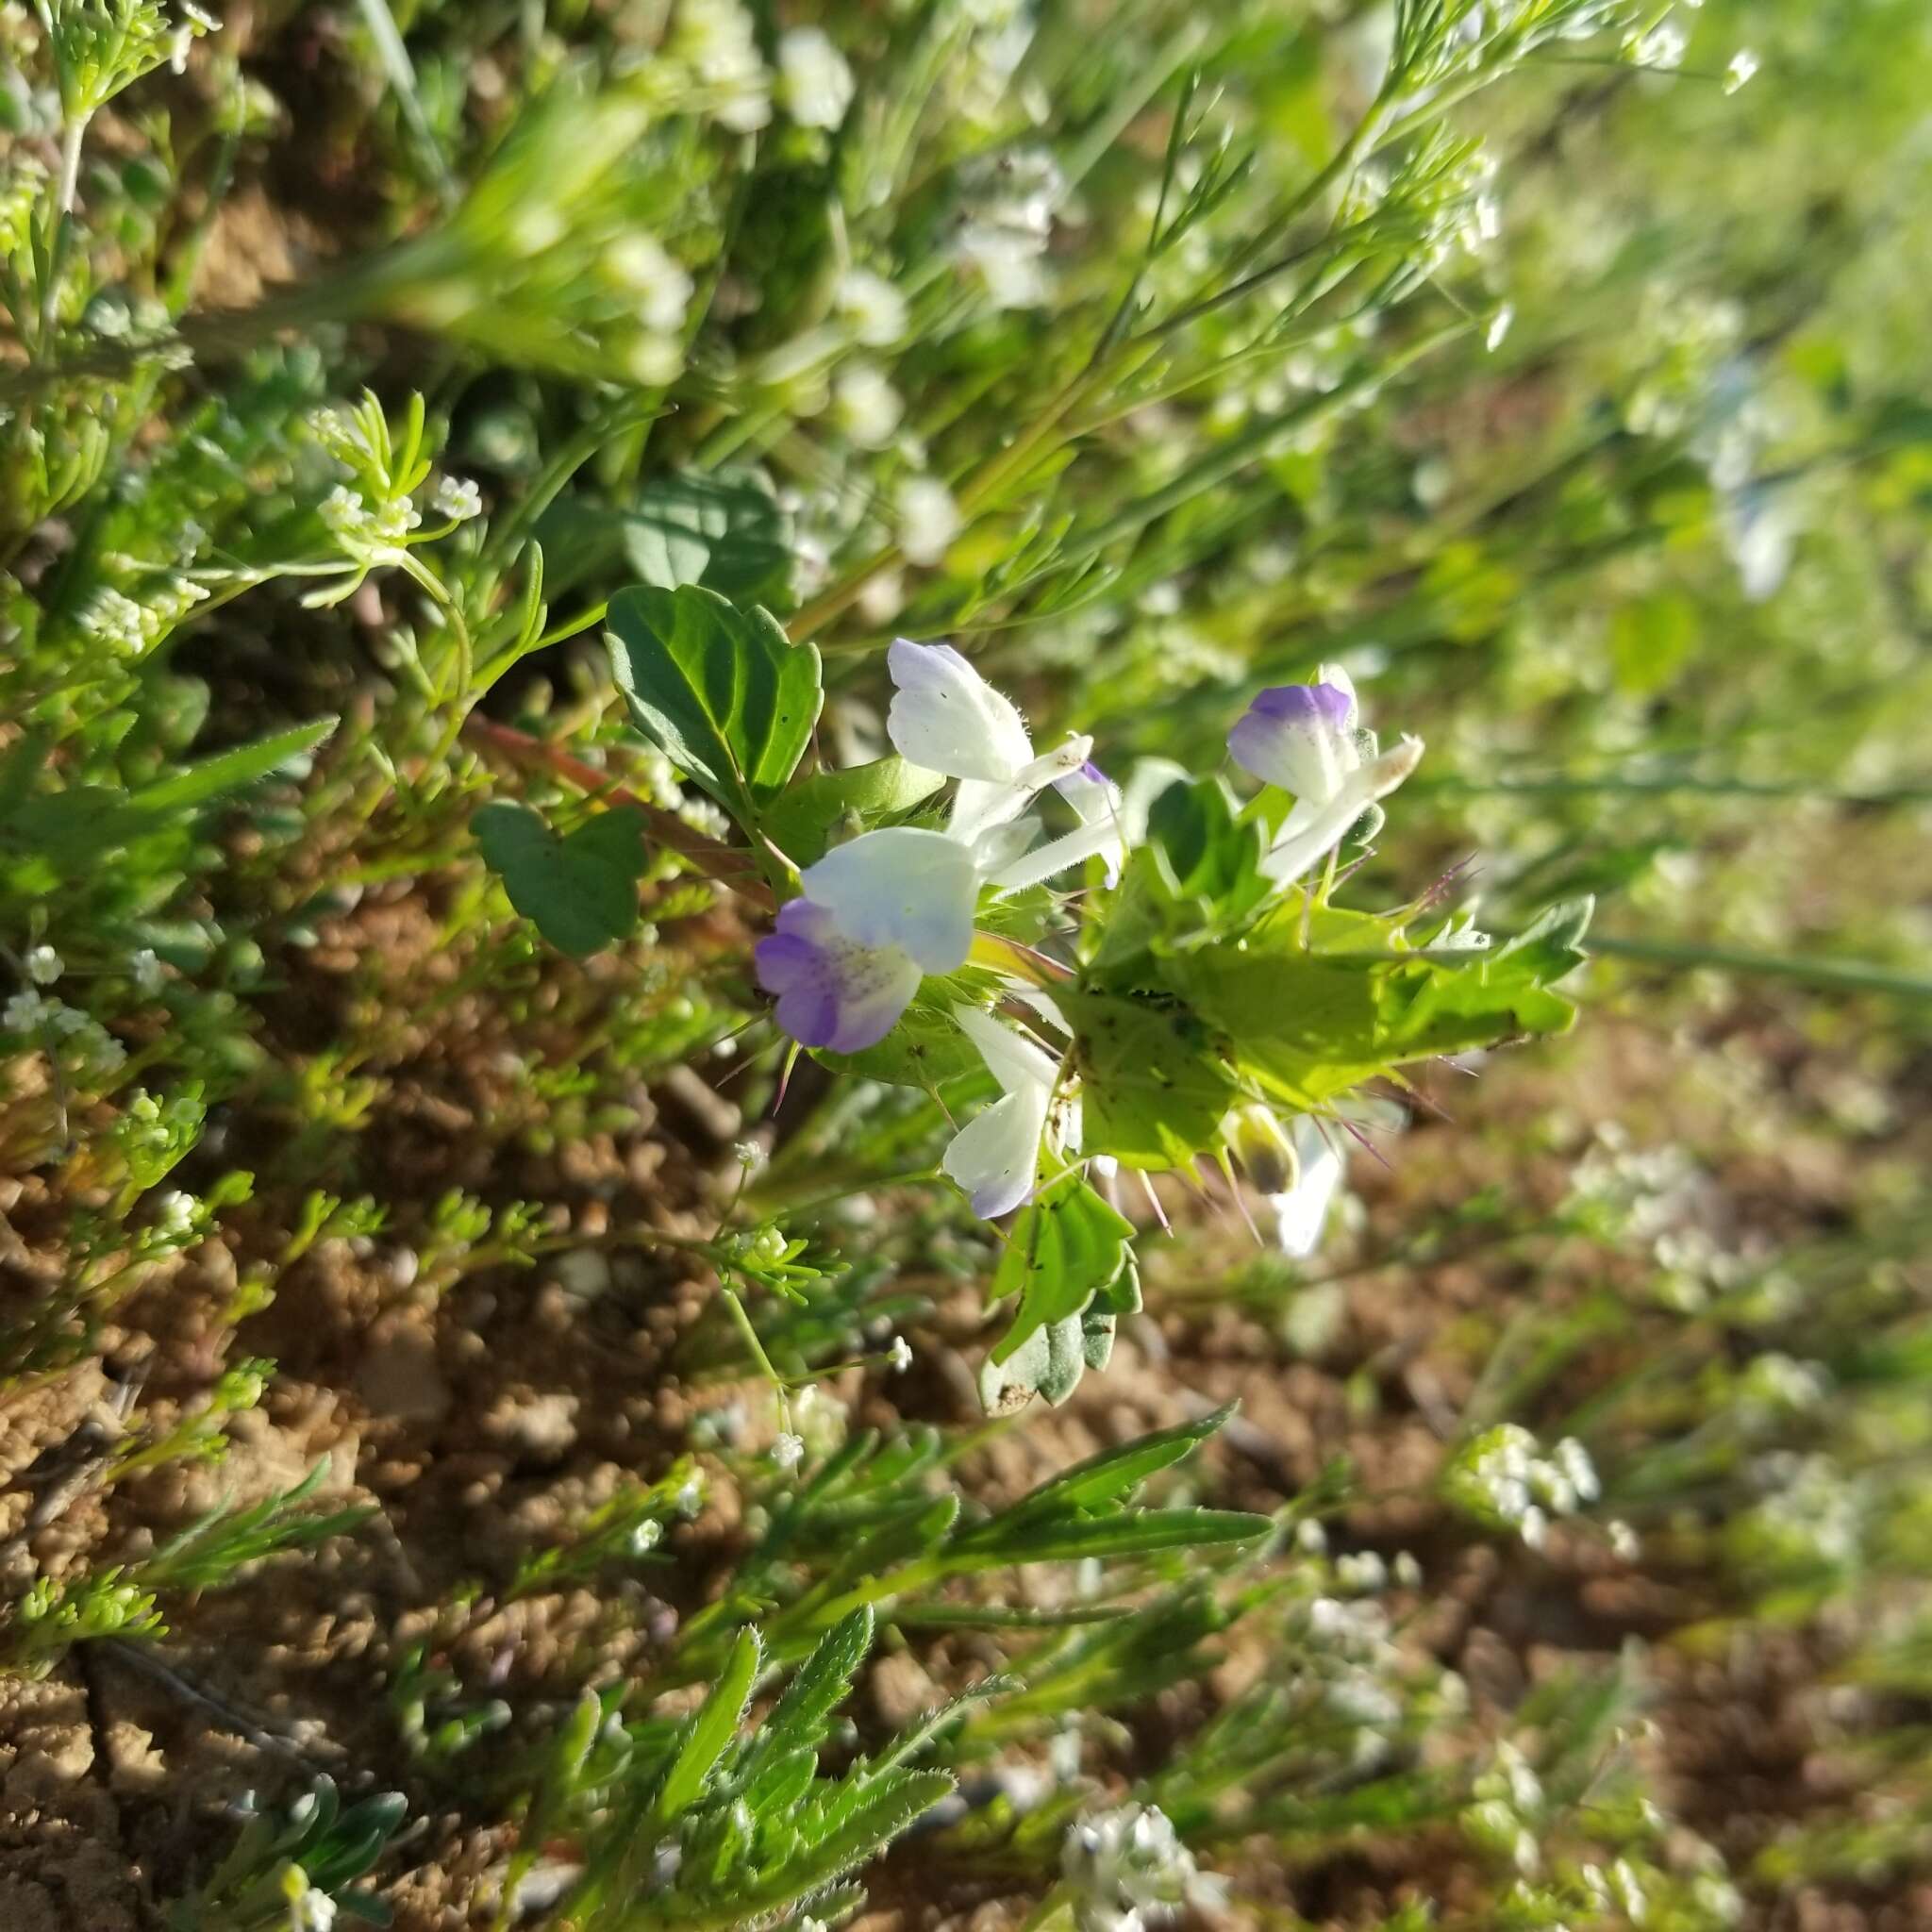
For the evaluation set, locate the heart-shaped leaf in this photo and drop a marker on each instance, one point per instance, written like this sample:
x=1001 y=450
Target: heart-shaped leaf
x=581 y=890
x=721 y=691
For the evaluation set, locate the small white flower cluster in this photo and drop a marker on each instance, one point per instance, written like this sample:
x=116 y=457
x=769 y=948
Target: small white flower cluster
x=716 y=41
x=643 y=266
x=368 y=531
x=866 y=405
x=815 y=84
x=132 y=626
x=870 y=307
x=1662 y=47
x=928 y=518
x=1507 y=1815
x=457 y=498
x=1775 y=1385
x=788 y=1450
x=84 y=1043
x=1812 y=1516
x=1355 y=1631
x=1127 y=1870
x=144 y=969
x=175 y=1214
x=1003 y=241
x=1501 y=1478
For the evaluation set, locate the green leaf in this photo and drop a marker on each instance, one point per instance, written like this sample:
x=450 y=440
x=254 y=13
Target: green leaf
x=1050 y=1362
x=721 y=691
x=1065 y=1248
x=925 y=1049
x=888 y=1805
x=1155 y=1084
x=1109 y=1476
x=229 y=771
x=722 y=530
x=710 y=1729
x=580 y=891
x=802 y=820
x=800 y=1717
x=1125 y=1533
x=1208 y=853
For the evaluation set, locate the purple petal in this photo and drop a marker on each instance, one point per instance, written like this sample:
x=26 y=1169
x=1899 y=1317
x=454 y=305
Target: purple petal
x=1304 y=704
x=810 y=1014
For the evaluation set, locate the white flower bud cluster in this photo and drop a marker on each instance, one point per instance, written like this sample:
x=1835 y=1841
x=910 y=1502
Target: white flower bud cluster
x=1127 y=1870
x=1503 y=1480
x=131 y=627
x=1617 y=1890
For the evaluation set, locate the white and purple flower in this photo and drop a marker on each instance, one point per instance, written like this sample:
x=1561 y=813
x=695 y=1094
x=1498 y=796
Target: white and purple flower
x=875 y=916
x=1307 y=740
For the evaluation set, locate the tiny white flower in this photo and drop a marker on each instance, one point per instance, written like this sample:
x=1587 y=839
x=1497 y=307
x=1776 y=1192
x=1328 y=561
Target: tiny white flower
x=788 y=1451
x=146 y=971
x=1662 y=47
x=45 y=966
x=1500 y=325
x=174 y=1212
x=865 y=406
x=814 y=82
x=899 y=1357
x=27 y=1012
x=1741 y=71
x=874 y=308
x=928 y=518
x=458 y=498
x=640 y=263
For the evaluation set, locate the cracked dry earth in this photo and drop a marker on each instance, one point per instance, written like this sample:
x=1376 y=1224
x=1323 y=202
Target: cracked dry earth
x=482 y=1417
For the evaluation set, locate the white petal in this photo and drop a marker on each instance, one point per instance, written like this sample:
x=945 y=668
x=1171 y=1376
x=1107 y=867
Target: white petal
x=1302 y=1213
x=1307 y=837
x=947 y=718
x=978 y=806
x=901 y=886
x=1015 y=1061
x=1034 y=868
x=995 y=1157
